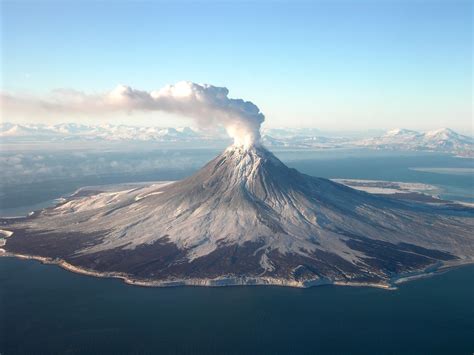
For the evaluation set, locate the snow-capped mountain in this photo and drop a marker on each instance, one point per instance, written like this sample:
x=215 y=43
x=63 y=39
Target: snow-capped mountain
x=447 y=139
x=441 y=140
x=246 y=218
x=108 y=132
x=20 y=131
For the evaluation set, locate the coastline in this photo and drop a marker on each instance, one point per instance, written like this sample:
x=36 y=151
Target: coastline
x=430 y=271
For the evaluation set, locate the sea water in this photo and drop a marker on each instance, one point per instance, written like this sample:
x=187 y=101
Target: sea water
x=47 y=310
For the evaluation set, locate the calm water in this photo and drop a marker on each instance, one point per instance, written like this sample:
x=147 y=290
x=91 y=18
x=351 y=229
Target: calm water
x=45 y=309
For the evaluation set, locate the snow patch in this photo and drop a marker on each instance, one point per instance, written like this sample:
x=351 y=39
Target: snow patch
x=266 y=263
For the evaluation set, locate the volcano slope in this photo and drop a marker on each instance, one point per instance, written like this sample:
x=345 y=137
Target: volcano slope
x=246 y=218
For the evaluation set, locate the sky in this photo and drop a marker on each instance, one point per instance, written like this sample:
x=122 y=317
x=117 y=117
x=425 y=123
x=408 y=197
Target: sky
x=334 y=65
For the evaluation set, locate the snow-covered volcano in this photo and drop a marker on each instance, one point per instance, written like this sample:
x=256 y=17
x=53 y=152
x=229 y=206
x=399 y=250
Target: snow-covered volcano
x=246 y=218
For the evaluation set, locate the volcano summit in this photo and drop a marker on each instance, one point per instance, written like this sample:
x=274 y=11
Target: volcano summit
x=245 y=218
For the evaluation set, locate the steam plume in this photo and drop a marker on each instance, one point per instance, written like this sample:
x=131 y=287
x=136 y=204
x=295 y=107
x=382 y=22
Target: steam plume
x=208 y=105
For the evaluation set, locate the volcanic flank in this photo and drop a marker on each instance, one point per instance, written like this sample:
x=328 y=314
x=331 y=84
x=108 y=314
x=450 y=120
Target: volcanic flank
x=246 y=218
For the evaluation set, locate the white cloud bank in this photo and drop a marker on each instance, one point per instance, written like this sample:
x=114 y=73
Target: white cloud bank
x=208 y=105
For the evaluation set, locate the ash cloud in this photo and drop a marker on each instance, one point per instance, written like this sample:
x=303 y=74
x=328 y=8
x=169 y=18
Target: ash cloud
x=210 y=106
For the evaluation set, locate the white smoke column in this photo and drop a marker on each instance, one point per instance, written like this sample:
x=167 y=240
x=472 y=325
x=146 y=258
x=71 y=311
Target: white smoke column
x=208 y=105
x=211 y=106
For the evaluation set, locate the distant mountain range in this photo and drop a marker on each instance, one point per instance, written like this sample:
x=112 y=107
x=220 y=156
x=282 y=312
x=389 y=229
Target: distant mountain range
x=71 y=131
x=442 y=140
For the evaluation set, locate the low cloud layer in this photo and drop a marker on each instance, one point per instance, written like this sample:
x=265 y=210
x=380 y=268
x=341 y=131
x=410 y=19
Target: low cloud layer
x=210 y=106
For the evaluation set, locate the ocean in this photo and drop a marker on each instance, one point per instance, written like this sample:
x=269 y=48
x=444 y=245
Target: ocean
x=48 y=310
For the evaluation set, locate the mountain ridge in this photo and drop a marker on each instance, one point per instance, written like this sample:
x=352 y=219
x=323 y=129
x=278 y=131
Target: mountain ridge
x=443 y=140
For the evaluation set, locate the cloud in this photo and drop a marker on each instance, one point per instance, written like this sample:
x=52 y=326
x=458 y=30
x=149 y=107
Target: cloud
x=210 y=106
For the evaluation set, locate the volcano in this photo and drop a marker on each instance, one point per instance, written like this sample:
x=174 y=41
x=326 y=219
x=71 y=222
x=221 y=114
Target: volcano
x=245 y=218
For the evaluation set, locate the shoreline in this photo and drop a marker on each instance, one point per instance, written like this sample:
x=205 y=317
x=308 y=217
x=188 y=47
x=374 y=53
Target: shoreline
x=430 y=271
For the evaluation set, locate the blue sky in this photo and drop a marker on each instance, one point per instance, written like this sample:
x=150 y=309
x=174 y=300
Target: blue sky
x=335 y=65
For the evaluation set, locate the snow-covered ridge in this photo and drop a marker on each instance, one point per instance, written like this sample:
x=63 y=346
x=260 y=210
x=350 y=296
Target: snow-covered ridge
x=442 y=140
x=107 y=132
